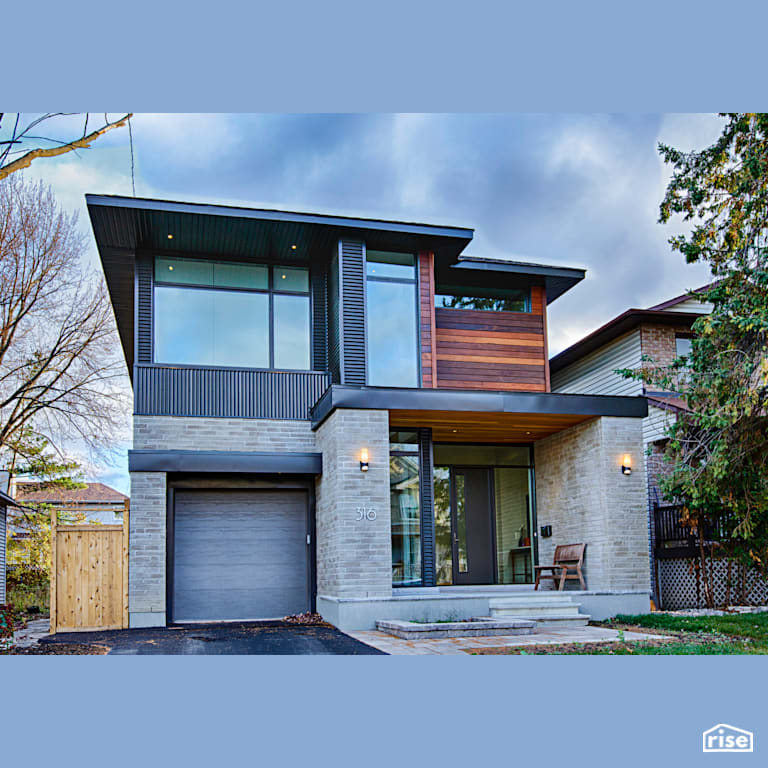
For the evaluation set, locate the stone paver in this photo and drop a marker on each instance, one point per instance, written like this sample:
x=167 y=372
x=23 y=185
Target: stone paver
x=34 y=631
x=453 y=646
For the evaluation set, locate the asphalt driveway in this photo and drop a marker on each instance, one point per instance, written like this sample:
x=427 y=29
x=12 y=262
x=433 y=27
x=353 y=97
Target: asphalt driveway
x=267 y=638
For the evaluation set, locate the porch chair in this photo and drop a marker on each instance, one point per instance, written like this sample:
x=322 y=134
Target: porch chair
x=568 y=557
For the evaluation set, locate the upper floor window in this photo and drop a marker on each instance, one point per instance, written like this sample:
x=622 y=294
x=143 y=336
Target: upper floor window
x=390 y=292
x=231 y=314
x=489 y=299
x=682 y=346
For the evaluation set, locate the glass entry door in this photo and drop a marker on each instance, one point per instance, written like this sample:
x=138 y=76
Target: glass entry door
x=484 y=525
x=472 y=526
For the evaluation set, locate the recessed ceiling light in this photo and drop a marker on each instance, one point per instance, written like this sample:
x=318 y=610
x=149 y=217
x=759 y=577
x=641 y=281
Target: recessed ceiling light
x=527 y=433
x=170 y=237
x=455 y=430
x=283 y=276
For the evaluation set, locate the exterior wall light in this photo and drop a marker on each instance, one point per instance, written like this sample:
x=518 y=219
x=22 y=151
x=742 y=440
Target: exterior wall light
x=364 y=460
x=626 y=467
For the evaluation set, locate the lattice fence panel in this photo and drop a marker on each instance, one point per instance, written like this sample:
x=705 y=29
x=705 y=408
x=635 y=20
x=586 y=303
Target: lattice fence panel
x=681 y=585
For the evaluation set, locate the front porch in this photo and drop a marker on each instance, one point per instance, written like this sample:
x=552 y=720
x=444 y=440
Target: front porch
x=466 y=520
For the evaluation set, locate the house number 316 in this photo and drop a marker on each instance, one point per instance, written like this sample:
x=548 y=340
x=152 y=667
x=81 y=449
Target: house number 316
x=366 y=513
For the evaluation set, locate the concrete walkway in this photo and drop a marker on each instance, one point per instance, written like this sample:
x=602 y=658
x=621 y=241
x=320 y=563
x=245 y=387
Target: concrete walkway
x=34 y=631
x=452 y=646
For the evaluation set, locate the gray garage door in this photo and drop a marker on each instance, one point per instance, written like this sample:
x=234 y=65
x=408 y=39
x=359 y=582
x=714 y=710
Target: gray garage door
x=239 y=555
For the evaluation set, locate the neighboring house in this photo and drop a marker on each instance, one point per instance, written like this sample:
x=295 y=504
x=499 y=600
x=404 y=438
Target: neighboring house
x=5 y=502
x=663 y=333
x=344 y=415
x=98 y=502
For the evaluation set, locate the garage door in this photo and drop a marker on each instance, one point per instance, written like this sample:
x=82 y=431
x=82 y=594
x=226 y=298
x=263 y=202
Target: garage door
x=239 y=555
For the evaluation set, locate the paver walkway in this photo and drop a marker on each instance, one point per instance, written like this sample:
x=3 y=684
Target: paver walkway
x=34 y=631
x=546 y=635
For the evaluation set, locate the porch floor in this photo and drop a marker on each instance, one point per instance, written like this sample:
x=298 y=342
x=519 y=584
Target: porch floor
x=454 y=646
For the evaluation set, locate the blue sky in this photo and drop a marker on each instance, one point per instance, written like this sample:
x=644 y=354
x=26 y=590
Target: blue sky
x=574 y=189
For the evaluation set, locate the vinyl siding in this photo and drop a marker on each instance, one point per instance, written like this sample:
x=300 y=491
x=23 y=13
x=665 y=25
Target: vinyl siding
x=654 y=424
x=691 y=305
x=594 y=373
x=2 y=555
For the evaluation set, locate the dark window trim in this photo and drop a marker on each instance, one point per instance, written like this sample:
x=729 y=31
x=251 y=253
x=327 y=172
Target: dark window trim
x=528 y=302
x=414 y=281
x=270 y=291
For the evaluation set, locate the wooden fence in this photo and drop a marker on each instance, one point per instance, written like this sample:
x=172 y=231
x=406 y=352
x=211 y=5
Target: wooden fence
x=89 y=576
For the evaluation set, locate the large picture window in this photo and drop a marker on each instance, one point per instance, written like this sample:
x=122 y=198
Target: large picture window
x=391 y=319
x=231 y=314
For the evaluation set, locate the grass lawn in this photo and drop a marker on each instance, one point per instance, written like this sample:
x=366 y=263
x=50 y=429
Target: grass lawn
x=734 y=634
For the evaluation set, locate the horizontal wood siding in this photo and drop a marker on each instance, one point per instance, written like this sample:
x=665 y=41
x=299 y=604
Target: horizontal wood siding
x=594 y=373
x=492 y=350
x=427 y=319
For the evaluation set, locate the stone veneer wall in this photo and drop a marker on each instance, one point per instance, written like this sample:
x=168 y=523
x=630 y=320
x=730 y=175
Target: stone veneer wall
x=582 y=493
x=354 y=557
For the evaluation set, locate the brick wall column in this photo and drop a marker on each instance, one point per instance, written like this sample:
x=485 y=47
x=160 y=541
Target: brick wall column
x=147 y=554
x=582 y=493
x=354 y=557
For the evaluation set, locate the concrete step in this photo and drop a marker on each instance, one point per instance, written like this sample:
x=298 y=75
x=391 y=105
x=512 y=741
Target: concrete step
x=548 y=610
x=555 y=621
x=535 y=609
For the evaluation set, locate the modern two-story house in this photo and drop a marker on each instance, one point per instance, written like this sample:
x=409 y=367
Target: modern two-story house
x=352 y=416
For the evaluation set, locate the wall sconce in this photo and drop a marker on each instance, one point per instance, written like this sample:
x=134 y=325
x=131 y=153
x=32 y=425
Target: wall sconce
x=626 y=467
x=364 y=460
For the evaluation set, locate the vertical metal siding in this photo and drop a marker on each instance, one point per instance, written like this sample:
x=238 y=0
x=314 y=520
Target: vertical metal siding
x=221 y=392
x=353 y=311
x=319 y=318
x=427 y=495
x=144 y=280
x=334 y=317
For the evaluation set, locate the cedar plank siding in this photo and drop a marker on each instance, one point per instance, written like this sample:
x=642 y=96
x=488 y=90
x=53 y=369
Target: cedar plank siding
x=427 y=319
x=493 y=350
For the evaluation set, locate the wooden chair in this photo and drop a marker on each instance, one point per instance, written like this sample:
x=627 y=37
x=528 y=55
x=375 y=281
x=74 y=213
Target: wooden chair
x=568 y=557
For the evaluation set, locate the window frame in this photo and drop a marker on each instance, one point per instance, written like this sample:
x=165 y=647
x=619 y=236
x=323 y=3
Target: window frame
x=270 y=290
x=469 y=290
x=414 y=453
x=415 y=282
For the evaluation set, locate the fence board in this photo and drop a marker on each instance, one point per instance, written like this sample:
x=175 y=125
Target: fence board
x=89 y=576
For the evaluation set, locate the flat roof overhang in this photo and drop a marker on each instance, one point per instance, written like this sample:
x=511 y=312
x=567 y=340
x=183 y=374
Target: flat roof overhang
x=225 y=461
x=123 y=226
x=555 y=279
x=468 y=416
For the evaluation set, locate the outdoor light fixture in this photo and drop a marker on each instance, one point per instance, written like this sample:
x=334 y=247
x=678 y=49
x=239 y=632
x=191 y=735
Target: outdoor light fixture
x=626 y=467
x=170 y=267
x=170 y=237
x=364 y=460
x=293 y=247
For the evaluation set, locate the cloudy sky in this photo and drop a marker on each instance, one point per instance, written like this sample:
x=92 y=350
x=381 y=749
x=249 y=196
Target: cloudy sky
x=577 y=190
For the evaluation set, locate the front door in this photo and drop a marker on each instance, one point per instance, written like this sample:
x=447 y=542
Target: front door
x=472 y=526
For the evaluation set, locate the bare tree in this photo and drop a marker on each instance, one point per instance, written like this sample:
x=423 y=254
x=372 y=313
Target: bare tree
x=61 y=375
x=26 y=141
